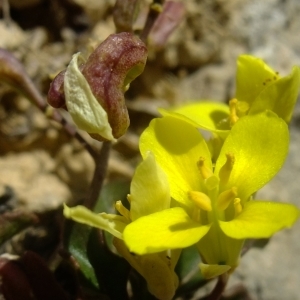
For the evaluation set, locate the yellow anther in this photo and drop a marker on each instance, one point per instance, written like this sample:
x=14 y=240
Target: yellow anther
x=237 y=206
x=122 y=210
x=128 y=198
x=196 y=215
x=233 y=117
x=225 y=171
x=201 y=200
x=226 y=197
x=204 y=170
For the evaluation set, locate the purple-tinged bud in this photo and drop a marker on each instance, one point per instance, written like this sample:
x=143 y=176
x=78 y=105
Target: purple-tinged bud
x=93 y=91
x=56 y=96
x=171 y=16
x=125 y=13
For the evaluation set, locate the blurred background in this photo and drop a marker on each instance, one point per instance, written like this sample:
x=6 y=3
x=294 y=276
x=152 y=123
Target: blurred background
x=41 y=166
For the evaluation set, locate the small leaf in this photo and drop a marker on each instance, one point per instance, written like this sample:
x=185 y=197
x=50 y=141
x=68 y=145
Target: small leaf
x=77 y=246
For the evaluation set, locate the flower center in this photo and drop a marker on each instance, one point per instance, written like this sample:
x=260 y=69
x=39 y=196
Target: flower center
x=216 y=201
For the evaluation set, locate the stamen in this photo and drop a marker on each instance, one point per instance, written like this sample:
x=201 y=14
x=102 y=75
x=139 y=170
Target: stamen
x=237 y=206
x=196 y=214
x=242 y=108
x=226 y=197
x=233 y=117
x=122 y=210
x=201 y=200
x=225 y=171
x=128 y=197
x=204 y=170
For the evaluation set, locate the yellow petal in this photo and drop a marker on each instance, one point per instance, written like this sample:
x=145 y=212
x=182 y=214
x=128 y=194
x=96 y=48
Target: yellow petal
x=149 y=190
x=253 y=75
x=261 y=219
x=177 y=147
x=167 y=229
x=162 y=282
x=280 y=96
x=206 y=115
x=259 y=144
x=161 y=279
x=113 y=224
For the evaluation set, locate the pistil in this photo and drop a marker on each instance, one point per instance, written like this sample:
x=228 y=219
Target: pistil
x=237 y=206
x=225 y=171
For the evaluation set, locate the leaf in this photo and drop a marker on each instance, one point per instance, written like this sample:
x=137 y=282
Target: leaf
x=77 y=246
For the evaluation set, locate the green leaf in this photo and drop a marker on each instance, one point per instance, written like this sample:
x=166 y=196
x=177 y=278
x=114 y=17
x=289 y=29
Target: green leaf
x=77 y=246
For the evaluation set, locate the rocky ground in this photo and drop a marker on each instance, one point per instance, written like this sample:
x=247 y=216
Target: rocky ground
x=43 y=167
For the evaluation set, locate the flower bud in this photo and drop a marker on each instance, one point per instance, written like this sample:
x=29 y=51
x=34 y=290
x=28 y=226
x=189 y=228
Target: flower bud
x=93 y=91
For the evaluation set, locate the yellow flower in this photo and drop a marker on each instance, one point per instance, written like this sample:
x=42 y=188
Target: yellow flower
x=258 y=88
x=212 y=206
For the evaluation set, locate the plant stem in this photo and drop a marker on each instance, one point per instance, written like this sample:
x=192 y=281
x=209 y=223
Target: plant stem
x=217 y=292
x=151 y=18
x=101 y=161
